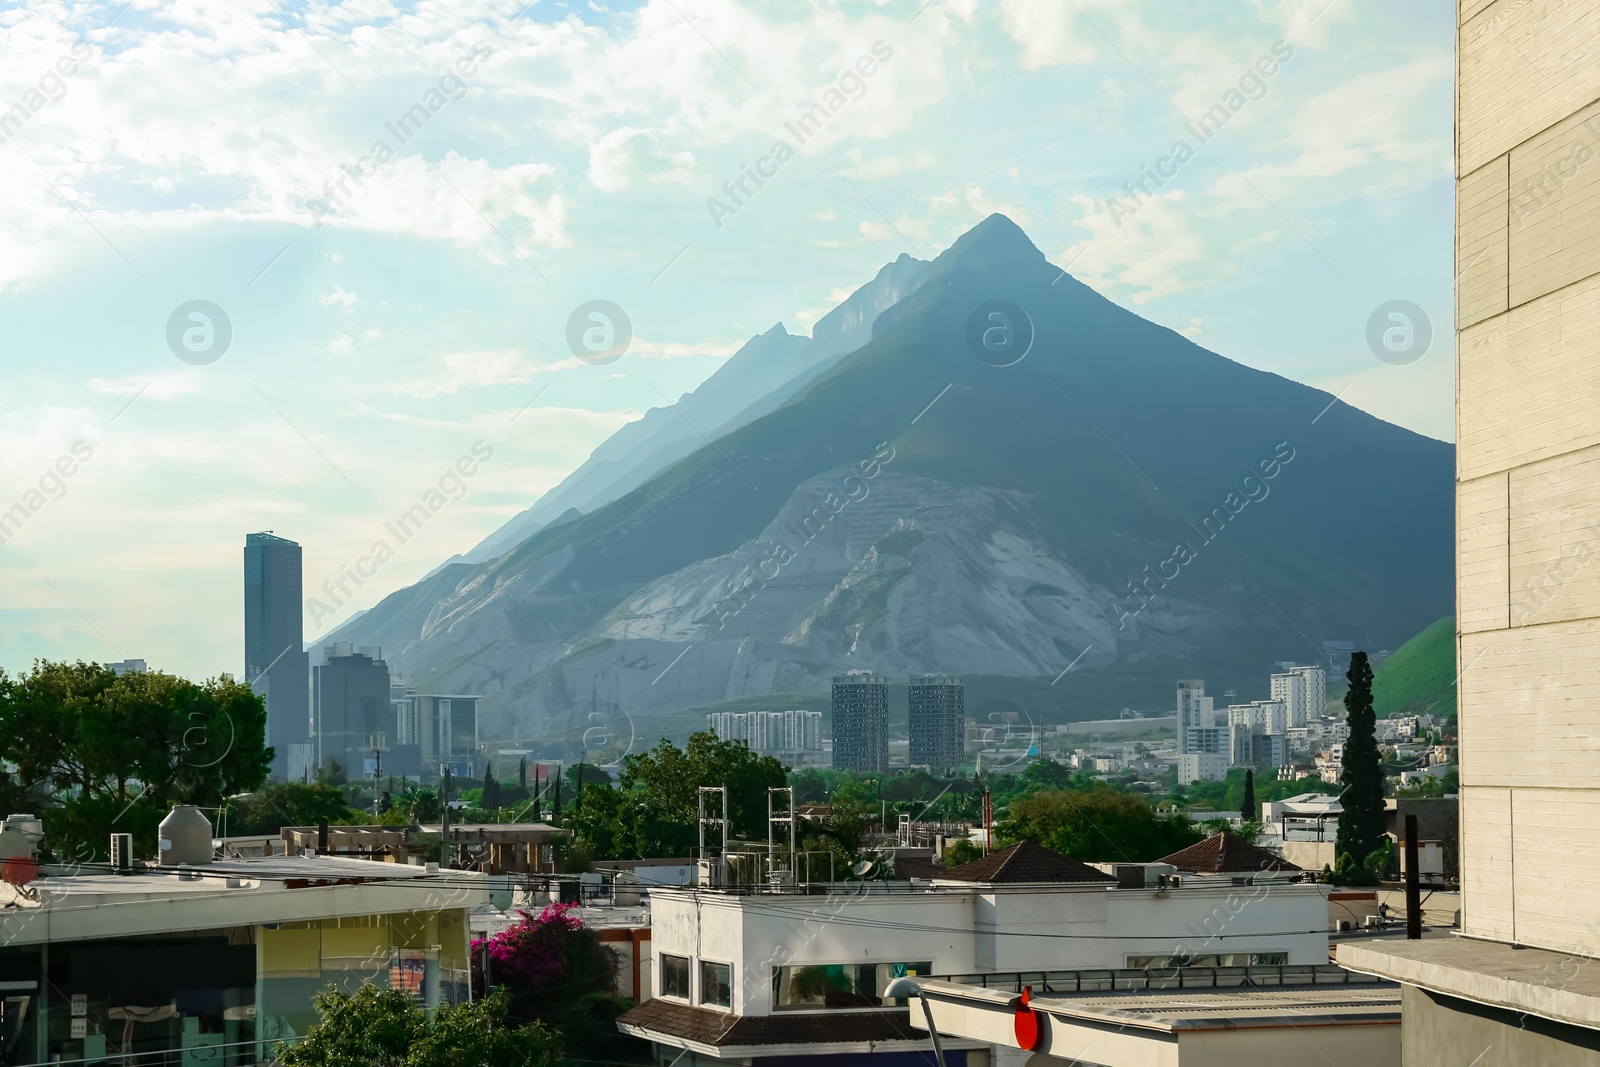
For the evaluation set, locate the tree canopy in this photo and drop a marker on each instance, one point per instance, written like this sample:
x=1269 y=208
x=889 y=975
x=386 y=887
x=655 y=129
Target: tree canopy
x=1361 y=825
x=378 y=1027
x=98 y=753
x=1099 y=823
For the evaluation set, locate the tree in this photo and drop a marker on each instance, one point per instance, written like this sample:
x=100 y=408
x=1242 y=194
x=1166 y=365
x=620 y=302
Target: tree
x=1361 y=825
x=105 y=753
x=269 y=810
x=1096 y=824
x=379 y=1027
x=522 y=772
x=491 y=789
x=669 y=779
x=556 y=971
x=1247 y=807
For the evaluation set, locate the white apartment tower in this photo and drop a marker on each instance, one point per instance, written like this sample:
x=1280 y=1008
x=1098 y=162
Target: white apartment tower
x=1195 y=710
x=1304 y=691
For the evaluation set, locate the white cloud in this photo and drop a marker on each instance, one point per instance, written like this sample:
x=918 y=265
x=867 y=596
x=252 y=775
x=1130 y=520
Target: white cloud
x=339 y=296
x=341 y=345
x=1047 y=32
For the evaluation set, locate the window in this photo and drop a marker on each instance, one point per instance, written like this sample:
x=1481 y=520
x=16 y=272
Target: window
x=1213 y=959
x=838 y=985
x=675 y=976
x=716 y=984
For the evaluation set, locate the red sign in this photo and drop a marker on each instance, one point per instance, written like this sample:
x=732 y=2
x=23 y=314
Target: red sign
x=1026 y=1023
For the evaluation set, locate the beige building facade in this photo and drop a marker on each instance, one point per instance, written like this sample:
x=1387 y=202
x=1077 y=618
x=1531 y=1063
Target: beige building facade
x=1528 y=551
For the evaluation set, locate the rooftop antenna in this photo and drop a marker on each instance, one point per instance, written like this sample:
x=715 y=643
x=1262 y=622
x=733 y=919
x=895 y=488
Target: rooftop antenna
x=774 y=816
x=720 y=819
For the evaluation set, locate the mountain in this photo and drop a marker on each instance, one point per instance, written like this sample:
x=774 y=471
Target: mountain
x=1420 y=675
x=755 y=380
x=1117 y=509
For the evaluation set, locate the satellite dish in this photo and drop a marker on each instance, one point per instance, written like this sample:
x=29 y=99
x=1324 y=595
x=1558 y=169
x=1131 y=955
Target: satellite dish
x=862 y=869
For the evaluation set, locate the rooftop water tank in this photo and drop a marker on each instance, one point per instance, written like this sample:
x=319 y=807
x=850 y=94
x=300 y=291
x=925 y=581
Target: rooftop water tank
x=185 y=837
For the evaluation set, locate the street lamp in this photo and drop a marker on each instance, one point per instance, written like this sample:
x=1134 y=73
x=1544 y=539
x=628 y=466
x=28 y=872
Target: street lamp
x=905 y=988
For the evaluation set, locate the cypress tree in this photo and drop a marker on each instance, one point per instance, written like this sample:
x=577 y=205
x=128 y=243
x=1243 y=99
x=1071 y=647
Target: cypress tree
x=1361 y=826
x=1248 y=810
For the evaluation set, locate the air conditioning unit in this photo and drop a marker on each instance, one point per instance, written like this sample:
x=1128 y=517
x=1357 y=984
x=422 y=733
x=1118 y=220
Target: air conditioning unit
x=122 y=853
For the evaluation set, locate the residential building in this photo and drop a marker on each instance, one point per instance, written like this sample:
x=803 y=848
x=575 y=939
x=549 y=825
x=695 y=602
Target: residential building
x=937 y=722
x=214 y=963
x=773 y=733
x=1303 y=691
x=802 y=971
x=351 y=713
x=275 y=661
x=1203 y=767
x=1248 y=747
x=860 y=712
x=1215 y=740
x=1262 y=716
x=129 y=666
x=1195 y=710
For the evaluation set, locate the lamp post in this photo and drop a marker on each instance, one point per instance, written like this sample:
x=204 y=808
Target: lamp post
x=906 y=988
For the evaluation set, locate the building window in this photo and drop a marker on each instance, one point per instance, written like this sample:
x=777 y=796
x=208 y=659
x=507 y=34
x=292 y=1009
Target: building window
x=675 y=976
x=1212 y=959
x=716 y=984
x=838 y=985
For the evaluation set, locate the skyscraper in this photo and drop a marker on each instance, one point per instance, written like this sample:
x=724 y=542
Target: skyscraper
x=938 y=722
x=860 y=722
x=1195 y=710
x=275 y=661
x=351 y=710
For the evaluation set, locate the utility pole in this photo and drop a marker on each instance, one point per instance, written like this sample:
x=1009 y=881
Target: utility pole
x=446 y=853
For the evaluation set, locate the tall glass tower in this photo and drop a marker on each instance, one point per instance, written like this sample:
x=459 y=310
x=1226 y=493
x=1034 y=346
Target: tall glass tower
x=275 y=661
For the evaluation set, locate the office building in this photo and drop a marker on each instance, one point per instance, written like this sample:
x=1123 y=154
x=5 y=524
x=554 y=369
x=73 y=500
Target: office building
x=1519 y=986
x=1195 y=709
x=860 y=712
x=1251 y=747
x=1209 y=740
x=350 y=707
x=938 y=722
x=447 y=725
x=771 y=733
x=129 y=666
x=275 y=662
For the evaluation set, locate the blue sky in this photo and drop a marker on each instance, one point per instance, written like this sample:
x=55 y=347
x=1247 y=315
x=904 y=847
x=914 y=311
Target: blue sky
x=567 y=153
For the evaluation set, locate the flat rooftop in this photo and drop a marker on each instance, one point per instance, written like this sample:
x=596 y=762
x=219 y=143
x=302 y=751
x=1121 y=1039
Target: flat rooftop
x=1561 y=986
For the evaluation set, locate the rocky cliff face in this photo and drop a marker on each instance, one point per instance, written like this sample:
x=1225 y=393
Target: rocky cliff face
x=1100 y=504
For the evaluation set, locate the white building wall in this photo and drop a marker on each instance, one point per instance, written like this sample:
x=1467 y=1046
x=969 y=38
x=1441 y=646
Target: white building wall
x=961 y=930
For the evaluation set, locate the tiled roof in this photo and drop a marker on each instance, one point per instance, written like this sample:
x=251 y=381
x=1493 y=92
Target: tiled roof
x=1026 y=862
x=722 y=1029
x=1225 y=853
x=918 y=867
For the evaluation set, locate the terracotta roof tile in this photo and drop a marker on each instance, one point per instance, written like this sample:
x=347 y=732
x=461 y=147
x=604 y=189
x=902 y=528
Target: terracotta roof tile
x=1225 y=853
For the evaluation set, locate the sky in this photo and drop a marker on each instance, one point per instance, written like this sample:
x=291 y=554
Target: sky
x=390 y=215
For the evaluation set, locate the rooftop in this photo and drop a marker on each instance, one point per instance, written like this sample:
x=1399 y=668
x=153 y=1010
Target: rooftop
x=1225 y=853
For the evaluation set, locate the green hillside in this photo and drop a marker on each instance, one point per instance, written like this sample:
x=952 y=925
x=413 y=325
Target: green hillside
x=1420 y=676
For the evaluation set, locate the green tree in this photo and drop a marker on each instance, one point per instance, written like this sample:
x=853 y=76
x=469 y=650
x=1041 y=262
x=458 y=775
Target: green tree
x=1247 y=807
x=1096 y=824
x=269 y=810
x=490 y=797
x=1361 y=825
x=669 y=778
x=378 y=1027
x=107 y=753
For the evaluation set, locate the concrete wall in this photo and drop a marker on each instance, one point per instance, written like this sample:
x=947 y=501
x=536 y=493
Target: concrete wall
x=1445 y=1032
x=966 y=931
x=1528 y=468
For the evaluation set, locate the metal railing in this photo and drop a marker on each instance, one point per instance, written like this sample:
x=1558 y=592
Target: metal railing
x=1152 y=978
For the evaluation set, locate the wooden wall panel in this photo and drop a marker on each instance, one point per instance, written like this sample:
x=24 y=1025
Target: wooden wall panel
x=1554 y=216
x=1486 y=889
x=1483 y=208
x=1483 y=590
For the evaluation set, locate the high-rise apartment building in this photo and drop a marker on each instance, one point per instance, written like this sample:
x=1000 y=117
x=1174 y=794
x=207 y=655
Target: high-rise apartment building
x=1303 y=690
x=771 y=733
x=860 y=713
x=1195 y=710
x=938 y=722
x=1519 y=986
x=1262 y=716
x=350 y=706
x=275 y=661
